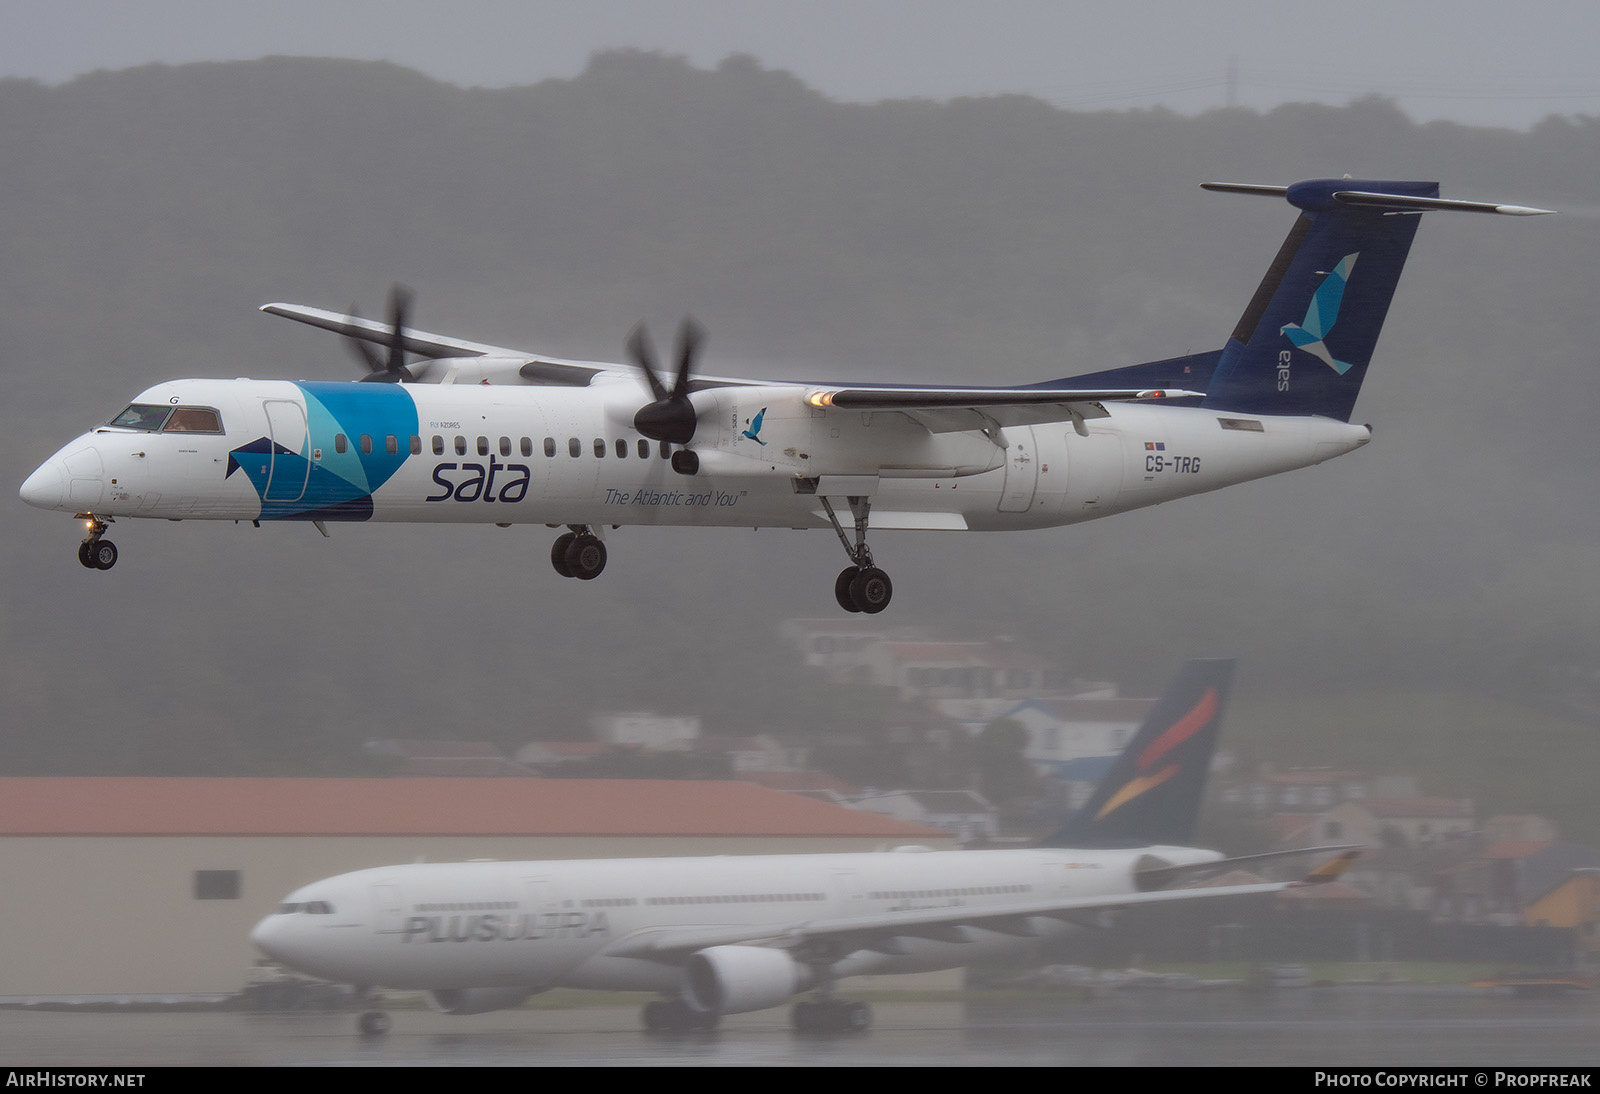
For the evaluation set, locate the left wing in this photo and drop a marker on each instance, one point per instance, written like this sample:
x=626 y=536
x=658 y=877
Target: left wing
x=531 y=367
x=878 y=931
x=958 y=409
x=419 y=342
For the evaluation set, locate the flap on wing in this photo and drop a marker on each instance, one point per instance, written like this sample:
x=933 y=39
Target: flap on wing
x=882 y=520
x=957 y=398
x=958 y=409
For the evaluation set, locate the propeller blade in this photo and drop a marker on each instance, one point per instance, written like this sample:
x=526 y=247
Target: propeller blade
x=362 y=349
x=643 y=353
x=690 y=335
x=390 y=369
x=672 y=417
x=399 y=307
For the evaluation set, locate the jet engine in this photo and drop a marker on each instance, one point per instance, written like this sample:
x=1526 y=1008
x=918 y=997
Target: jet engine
x=733 y=979
x=475 y=1000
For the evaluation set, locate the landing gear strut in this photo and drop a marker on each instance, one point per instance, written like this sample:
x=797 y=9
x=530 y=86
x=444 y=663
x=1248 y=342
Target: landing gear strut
x=578 y=553
x=96 y=553
x=861 y=586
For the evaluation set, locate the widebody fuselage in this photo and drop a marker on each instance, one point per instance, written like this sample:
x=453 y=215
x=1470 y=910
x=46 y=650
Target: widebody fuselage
x=628 y=924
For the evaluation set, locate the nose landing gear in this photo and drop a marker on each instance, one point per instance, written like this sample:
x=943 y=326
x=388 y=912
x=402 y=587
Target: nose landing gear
x=96 y=553
x=578 y=553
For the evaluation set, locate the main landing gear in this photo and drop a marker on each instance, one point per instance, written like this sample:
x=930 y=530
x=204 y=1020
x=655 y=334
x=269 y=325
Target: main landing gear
x=96 y=553
x=675 y=1016
x=578 y=553
x=372 y=1021
x=830 y=1016
x=861 y=586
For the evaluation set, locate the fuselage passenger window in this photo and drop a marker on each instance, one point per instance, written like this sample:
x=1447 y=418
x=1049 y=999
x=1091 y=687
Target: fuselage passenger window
x=340 y=443
x=549 y=446
x=438 y=445
x=505 y=446
x=461 y=446
x=574 y=447
x=599 y=446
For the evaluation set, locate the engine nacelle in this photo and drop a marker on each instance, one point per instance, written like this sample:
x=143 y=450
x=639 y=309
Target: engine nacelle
x=475 y=1000
x=733 y=979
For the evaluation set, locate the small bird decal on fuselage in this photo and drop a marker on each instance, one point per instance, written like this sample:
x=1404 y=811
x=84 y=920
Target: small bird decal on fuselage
x=755 y=427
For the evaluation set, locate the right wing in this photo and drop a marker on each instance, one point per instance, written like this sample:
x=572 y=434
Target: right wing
x=879 y=930
x=958 y=409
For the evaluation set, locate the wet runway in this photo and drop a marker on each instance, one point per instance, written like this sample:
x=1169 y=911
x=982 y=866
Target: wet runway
x=1388 y=1026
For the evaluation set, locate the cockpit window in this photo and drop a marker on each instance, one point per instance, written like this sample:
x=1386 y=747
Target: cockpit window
x=142 y=416
x=193 y=419
x=309 y=907
x=154 y=418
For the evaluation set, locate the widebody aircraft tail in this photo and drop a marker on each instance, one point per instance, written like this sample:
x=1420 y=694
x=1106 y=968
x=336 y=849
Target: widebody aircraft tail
x=1152 y=793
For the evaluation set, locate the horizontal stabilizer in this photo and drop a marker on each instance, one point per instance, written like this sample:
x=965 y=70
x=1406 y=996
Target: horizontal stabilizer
x=1159 y=877
x=1407 y=202
x=1245 y=188
x=1333 y=869
x=1376 y=200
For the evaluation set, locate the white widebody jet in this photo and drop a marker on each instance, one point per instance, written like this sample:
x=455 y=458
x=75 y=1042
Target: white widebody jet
x=472 y=433
x=722 y=935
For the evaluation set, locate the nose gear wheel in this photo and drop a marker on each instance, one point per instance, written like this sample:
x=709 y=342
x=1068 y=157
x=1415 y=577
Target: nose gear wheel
x=95 y=553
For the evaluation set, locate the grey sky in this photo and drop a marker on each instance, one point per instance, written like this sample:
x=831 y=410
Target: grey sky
x=1478 y=61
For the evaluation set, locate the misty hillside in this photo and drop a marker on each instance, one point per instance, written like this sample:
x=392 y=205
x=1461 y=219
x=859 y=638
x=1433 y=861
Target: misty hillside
x=147 y=213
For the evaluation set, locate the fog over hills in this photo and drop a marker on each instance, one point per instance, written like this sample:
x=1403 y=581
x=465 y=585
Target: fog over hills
x=148 y=212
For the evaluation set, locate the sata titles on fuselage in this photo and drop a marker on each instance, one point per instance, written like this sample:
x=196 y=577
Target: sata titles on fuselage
x=477 y=482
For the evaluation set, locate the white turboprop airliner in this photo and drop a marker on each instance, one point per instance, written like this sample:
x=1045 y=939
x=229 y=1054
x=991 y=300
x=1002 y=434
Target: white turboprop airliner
x=482 y=434
x=722 y=935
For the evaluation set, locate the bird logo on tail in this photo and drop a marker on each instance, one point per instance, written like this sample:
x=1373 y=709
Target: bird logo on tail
x=1323 y=313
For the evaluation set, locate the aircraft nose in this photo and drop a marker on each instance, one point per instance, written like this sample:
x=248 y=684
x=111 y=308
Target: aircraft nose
x=269 y=937
x=45 y=487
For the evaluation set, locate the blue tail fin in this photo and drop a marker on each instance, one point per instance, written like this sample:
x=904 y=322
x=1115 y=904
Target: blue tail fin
x=1152 y=793
x=1303 y=344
